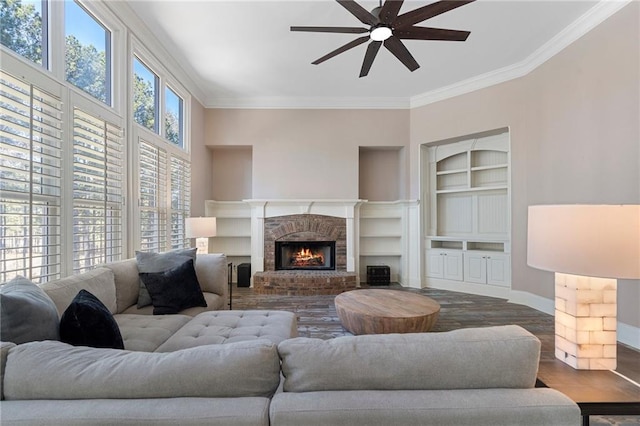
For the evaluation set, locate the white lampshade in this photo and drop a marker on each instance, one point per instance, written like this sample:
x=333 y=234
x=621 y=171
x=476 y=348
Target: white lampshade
x=591 y=240
x=198 y=227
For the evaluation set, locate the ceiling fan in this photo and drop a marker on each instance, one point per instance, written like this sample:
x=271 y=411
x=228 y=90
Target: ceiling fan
x=388 y=28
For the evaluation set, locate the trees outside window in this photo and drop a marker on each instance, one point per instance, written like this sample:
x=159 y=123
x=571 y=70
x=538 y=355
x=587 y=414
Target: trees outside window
x=173 y=117
x=87 y=52
x=145 y=95
x=23 y=28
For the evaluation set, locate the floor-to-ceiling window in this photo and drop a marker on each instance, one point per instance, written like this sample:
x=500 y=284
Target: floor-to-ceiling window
x=92 y=142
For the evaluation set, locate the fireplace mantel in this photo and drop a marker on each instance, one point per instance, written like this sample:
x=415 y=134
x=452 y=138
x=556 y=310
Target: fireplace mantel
x=262 y=209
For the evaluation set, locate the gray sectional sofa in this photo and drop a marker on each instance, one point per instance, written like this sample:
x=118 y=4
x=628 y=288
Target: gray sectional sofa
x=209 y=367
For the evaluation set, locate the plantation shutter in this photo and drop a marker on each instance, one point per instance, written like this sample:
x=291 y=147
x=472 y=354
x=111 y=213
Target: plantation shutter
x=97 y=191
x=153 y=197
x=180 y=196
x=30 y=181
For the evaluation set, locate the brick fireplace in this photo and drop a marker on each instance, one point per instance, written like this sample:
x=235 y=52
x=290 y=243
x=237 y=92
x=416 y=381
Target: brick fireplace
x=305 y=227
x=309 y=227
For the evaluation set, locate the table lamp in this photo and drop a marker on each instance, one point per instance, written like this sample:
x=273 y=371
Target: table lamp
x=588 y=247
x=200 y=228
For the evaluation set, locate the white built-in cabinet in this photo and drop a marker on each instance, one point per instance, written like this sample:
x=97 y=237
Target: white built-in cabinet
x=467 y=216
x=381 y=236
x=233 y=233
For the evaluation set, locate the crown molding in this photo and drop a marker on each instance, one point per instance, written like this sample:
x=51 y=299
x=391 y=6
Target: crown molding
x=585 y=23
x=308 y=103
x=182 y=71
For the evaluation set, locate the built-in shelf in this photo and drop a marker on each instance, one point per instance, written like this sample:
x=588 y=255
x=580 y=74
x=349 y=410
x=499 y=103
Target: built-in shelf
x=467 y=220
x=233 y=234
x=381 y=236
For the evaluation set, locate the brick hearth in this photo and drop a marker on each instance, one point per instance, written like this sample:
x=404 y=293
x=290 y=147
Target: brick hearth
x=303 y=283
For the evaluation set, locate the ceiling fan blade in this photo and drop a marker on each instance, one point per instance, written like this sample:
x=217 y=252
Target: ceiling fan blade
x=395 y=46
x=359 y=12
x=429 y=11
x=390 y=10
x=425 y=33
x=339 y=50
x=372 y=51
x=346 y=30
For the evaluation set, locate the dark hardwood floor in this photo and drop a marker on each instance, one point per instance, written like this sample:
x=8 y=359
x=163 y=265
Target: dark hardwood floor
x=317 y=318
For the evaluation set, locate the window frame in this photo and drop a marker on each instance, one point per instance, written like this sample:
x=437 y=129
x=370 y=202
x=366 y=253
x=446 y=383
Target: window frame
x=53 y=79
x=92 y=106
x=158 y=140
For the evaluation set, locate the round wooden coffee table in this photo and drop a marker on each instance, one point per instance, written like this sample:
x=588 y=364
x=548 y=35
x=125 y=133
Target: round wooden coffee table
x=379 y=311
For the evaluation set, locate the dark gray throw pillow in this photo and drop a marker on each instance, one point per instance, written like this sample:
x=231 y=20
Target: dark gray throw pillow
x=88 y=322
x=159 y=262
x=174 y=290
x=27 y=313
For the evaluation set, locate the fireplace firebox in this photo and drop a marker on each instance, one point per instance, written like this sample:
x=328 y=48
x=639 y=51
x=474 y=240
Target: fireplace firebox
x=305 y=255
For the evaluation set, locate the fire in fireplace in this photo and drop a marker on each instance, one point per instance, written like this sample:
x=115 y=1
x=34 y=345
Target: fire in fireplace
x=312 y=255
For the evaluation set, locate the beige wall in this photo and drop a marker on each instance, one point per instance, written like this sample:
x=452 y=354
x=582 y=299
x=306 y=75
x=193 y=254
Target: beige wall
x=575 y=137
x=306 y=153
x=200 y=161
x=574 y=127
x=232 y=173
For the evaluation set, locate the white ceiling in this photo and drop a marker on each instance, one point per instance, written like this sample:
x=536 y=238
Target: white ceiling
x=242 y=53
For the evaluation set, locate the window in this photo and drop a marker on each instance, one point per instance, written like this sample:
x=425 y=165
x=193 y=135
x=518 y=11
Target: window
x=180 y=201
x=173 y=117
x=30 y=181
x=87 y=52
x=162 y=219
x=153 y=178
x=65 y=201
x=23 y=28
x=97 y=191
x=145 y=96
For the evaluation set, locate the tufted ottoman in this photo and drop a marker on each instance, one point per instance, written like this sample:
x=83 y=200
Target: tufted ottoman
x=217 y=327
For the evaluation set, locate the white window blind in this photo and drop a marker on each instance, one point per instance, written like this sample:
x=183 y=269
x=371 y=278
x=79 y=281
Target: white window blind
x=164 y=185
x=153 y=195
x=180 y=196
x=30 y=181
x=97 y=191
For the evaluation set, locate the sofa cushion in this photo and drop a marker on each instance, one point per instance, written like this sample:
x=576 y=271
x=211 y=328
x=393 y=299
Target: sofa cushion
x=127 y=282
x=173 y=290
x=492 y=357
x=214 y=302
x=159 y=262
x=27 y=312
x=63 y=371
x=4 y=352
x=211 y=269
x=98 y=282
x=87 y=322
x=233 y=326
x=146 y=332
x=472 y=407
x=248 y=411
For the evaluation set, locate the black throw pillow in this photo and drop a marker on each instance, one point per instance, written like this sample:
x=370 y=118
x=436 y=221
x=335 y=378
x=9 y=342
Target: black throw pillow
x=174 y=290
x=88 y=322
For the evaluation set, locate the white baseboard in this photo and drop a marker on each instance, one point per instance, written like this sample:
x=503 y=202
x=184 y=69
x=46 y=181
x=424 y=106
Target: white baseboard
x=470 y=288
x=627 y=334
x=534 y=301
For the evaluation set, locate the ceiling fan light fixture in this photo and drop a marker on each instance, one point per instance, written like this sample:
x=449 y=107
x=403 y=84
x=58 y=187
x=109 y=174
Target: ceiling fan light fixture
x=380 y=33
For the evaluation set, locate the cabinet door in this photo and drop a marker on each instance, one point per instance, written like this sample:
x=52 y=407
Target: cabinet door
x=475 y=268
x=435 y=264
x=453 y=266
x=499 y=270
